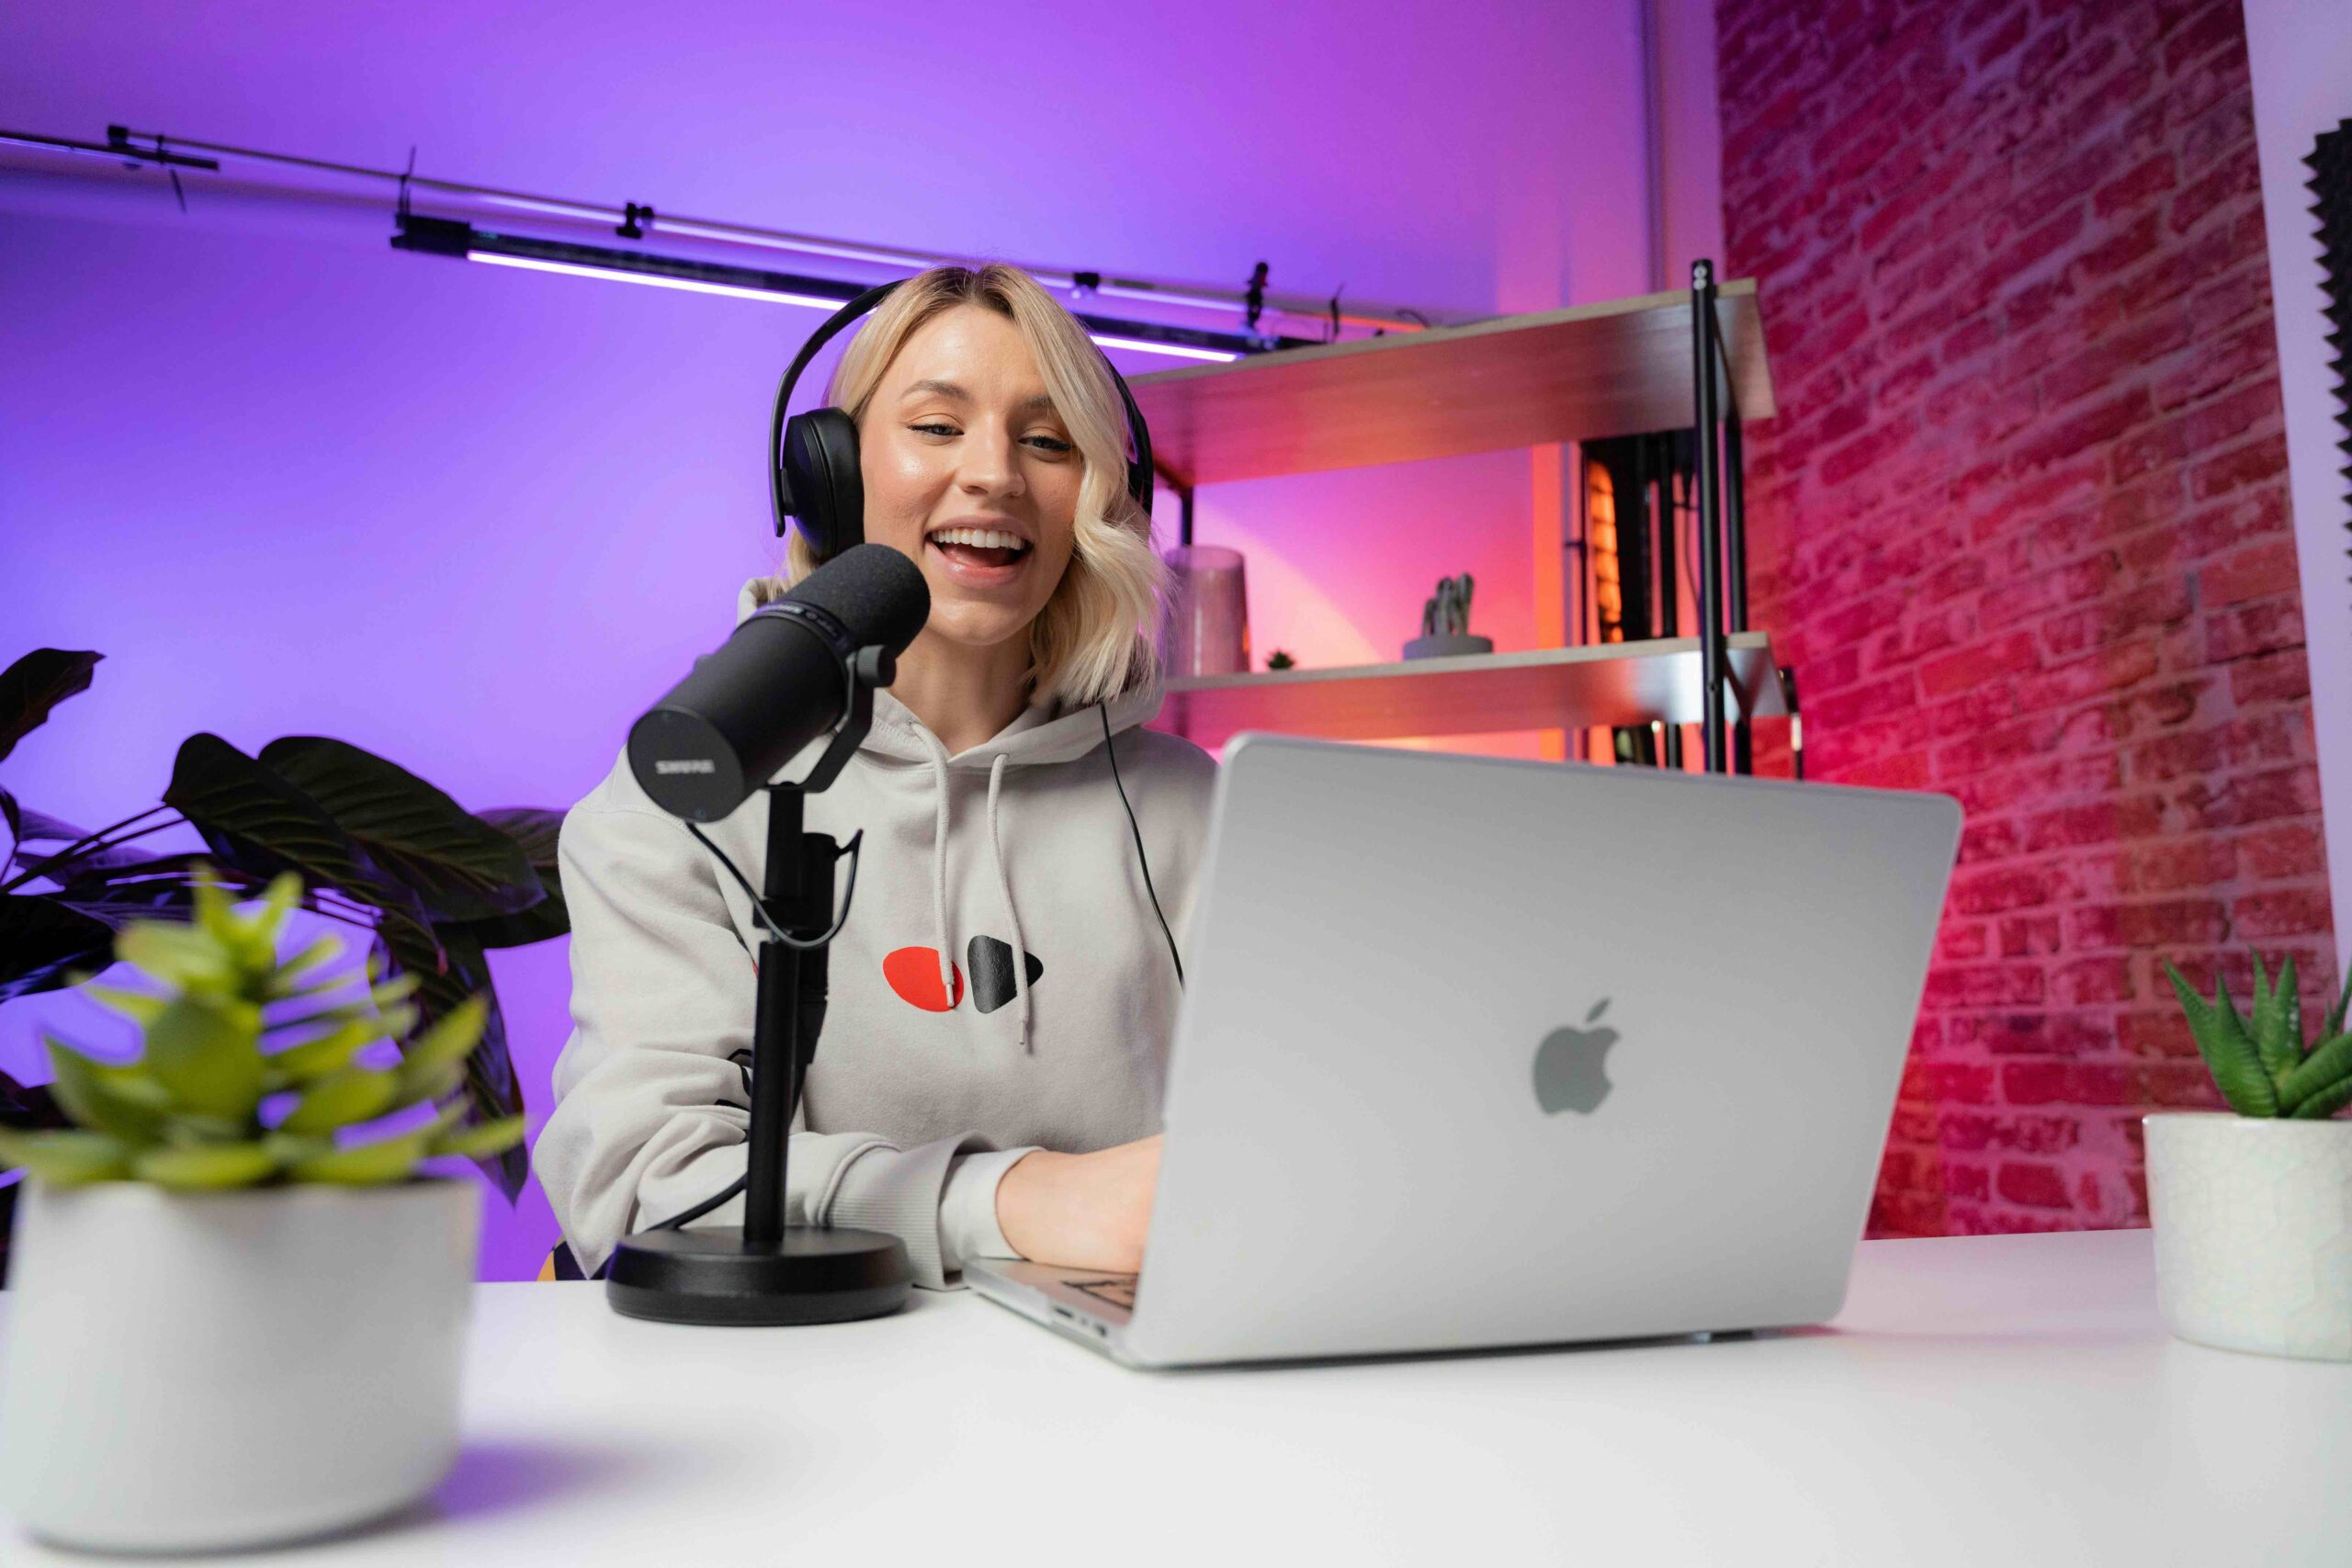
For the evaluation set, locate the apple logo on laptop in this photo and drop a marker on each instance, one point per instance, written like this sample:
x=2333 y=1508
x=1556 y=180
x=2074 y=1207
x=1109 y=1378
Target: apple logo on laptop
x=1570 y=1072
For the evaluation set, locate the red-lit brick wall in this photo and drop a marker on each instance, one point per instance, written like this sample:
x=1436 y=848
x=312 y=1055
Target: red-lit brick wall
x=2021 y=526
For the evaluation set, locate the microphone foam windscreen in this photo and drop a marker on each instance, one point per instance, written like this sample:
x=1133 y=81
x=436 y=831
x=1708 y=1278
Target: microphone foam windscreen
x=877 y=592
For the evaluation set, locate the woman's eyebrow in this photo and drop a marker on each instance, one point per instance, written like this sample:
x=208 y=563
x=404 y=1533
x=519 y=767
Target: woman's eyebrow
x=951 y=390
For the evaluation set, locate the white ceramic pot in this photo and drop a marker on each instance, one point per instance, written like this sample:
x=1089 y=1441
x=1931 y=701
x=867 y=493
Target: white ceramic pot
x=2253 y=1219
x=199 y=1372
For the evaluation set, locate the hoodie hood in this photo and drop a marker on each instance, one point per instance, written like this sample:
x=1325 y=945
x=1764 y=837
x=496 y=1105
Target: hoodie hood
x=1049 y=732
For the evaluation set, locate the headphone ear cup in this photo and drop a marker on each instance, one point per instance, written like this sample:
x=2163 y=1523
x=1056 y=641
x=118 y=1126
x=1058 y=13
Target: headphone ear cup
x=822 y=478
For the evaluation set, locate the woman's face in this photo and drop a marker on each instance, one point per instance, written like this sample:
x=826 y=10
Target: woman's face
x=971 y=474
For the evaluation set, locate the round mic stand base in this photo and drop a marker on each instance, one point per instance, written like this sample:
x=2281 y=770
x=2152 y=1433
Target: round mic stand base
x=809 y=1274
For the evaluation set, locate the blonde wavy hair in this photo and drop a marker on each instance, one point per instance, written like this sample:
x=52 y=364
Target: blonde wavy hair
x=1094 y=638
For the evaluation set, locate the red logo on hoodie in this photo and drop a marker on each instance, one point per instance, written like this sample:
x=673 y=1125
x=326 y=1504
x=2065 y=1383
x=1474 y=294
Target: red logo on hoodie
x=913 y=973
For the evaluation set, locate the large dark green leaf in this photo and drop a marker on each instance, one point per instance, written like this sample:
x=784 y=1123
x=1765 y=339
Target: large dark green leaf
x=459 y=867
x=259 y=823
x=39 y=826
x=36 y=684
x=156 y=888
x=535 y=829
x=28 y=1107
x=449 y=967
x=64 y=866
x=43 y=941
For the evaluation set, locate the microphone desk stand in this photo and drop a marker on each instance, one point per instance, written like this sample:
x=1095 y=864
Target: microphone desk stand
x=766 y=1271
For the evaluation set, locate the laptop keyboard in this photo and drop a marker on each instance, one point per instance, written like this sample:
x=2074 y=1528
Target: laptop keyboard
x=1119 y=1290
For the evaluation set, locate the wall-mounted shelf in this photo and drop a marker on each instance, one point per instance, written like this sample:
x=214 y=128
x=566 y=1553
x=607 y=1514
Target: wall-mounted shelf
x=1553 y=688
x=1620 y=369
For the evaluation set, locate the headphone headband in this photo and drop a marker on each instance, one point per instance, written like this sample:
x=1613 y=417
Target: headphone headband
x=785 y=504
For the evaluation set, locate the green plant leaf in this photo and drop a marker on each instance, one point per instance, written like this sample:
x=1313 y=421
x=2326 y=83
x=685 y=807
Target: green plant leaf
x=44 y=942
x=2329 y=1060
x=207 y=1050
x=536 y=829
x=2229 y=1052
x=2334 y=1025
x=450 y=966
x=328 y=1053
x=459 y=867
x=367 y=1165
x=65 y=1158
x=140 y=1007
x=480 y=1140
x=104 y=1097
x=2327 y=1102
x=256 y=821
x=187 y=957
x=428 y=1062
x=195 y=1167
x=34 y=685
x=2277 y=1024
x=278 y=901
x=342 y=1099
x=283 y=981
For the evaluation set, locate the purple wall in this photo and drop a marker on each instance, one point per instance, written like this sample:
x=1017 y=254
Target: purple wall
x=292 y=482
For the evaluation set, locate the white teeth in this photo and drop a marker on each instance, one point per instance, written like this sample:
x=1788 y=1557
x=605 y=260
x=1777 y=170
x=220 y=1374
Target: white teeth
x=981 y=538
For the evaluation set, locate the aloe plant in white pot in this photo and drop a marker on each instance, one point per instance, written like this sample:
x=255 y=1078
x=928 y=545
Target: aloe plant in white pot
x=2253 y=1207
x=231 y=1322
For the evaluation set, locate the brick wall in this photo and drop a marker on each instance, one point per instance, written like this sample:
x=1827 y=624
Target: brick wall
x=2022 y=528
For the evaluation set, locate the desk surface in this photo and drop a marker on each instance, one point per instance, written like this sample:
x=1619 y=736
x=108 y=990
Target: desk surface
x=2006 y=1399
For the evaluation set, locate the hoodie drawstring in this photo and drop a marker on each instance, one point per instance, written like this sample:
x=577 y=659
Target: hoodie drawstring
x=1011 y=915
x=939 y=863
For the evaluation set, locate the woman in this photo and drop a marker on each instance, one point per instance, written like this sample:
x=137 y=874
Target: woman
x=987 y=1082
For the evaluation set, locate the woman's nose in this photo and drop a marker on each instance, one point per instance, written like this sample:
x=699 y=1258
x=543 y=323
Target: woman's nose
x=988 y=463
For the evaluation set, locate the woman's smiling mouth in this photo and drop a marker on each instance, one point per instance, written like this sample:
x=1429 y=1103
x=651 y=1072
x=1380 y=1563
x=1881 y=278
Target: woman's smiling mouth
x=984 y=556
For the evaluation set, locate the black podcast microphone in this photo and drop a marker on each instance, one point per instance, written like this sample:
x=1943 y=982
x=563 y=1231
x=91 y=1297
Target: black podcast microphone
x=776 y=684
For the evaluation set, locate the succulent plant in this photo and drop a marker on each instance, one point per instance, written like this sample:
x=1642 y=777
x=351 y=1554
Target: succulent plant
x=1280 y=659
x=2260 y=1062
x=253 y=1065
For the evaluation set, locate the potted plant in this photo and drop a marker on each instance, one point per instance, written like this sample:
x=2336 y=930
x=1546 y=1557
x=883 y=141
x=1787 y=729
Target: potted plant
x=2253 y=1207
x=233 y=1322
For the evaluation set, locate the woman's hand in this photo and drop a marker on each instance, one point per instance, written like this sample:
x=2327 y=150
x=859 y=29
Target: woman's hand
x=1080 y=1211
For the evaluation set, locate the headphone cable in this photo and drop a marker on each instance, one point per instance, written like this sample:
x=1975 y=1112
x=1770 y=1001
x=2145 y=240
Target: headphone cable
x=1144 y=859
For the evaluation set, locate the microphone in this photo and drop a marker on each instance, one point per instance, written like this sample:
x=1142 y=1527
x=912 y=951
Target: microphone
x=780 y=681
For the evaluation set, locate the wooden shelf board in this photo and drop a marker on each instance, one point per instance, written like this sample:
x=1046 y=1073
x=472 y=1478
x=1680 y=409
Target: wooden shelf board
x=1618 y=368
x=1552 y=688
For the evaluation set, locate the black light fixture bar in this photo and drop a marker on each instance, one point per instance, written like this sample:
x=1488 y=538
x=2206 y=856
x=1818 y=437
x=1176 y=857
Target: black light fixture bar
x=455 y=237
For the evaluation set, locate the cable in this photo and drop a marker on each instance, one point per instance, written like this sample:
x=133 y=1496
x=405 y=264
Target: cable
x=760 y=909
x=1146 y=860
x=687 y=1217
x=680 y=1221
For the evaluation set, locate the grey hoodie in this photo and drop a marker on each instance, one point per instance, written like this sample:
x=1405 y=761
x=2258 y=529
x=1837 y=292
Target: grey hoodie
x=1002 y=984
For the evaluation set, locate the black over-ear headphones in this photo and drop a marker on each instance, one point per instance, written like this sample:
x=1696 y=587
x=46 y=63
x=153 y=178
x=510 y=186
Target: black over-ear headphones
x=812 y=457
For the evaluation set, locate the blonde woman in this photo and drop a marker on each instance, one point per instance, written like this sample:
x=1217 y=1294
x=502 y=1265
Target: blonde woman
x=988 y=1081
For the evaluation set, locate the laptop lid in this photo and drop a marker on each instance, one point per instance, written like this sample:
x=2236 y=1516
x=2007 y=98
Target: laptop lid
x=1483 y=1052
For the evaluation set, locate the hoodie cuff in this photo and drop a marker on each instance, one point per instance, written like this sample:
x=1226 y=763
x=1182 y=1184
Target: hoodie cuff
x=968 y=1225
x=899 y=1192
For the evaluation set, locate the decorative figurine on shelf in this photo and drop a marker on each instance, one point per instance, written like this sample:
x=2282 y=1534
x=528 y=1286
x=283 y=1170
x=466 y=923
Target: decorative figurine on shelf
x=1279 y=660
x=1445 y=623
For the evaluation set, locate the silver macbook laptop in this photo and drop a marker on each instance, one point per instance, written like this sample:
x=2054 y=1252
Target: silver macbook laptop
x=1481 y=1053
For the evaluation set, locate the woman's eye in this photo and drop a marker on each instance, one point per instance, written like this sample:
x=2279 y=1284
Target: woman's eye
x=1054 y=443
x=934 y=429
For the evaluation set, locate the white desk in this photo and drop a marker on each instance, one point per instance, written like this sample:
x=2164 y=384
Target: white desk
x=2003 y=1400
